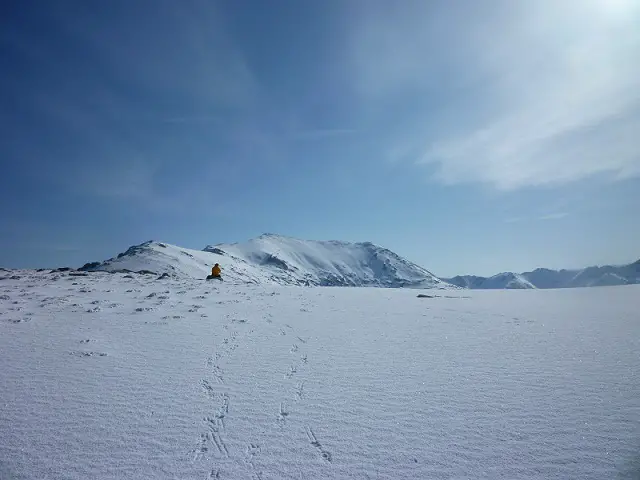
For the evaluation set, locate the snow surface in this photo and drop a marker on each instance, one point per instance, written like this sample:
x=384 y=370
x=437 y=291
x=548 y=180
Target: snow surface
x=275 y=259
x=115 y=376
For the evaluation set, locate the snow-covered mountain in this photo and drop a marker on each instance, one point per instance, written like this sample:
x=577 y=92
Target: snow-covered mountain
x=466 y=281
x=608 y=275
x=502 y=280
x=276 y=259
x=162 y=258
x=546 y=278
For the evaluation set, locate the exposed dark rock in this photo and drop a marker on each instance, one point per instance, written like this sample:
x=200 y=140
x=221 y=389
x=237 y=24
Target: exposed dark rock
x=276 y=262
x=89 y=266
x=164 y=275
x=135 y=249
x=422 y=295
x=146 y=272
x=78 y=274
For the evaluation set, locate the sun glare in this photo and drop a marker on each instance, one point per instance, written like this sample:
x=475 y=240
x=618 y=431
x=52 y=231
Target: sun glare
x=619 y=7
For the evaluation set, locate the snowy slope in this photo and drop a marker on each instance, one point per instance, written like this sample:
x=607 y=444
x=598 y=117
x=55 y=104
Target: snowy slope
x=547 y=278
x=608 y=275
x=608 y=279
x=273 y=259
x=592 y=276
x=161 y=258
x=466 y=281
x=333 y=263
x=631 y=272
x=598 y=276
x=116 y=376
x=506 y=280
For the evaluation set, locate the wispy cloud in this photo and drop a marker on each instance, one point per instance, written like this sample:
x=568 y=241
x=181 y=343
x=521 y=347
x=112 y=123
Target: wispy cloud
x=128 y=181
x=530 y=93
x=198 y=63
x=553 y=216
x=327 y=133
x=113 y=99
x=197 y=119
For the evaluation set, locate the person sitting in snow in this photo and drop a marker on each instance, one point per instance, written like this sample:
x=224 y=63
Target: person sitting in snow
x=215 y=271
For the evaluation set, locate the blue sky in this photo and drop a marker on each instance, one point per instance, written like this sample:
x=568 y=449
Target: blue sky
x=469 y=137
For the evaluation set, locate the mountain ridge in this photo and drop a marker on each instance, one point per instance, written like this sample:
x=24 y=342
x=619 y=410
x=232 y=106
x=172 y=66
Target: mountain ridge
x=545 y=278
x=278 y=259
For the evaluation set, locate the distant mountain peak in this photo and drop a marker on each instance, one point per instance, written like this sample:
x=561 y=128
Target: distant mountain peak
x=331 y=262
x=607 y=275
x=272 y=258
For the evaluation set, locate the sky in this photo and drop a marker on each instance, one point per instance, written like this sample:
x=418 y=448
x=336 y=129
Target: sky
x=470 y=137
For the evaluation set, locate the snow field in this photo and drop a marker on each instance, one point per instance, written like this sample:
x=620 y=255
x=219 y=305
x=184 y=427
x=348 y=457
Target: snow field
x=111 y=377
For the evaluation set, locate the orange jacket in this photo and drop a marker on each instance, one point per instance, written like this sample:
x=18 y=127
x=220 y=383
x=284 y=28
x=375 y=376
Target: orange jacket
x=215 y=271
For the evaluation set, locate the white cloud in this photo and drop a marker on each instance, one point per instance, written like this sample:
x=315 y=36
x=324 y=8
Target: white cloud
x=536 y=93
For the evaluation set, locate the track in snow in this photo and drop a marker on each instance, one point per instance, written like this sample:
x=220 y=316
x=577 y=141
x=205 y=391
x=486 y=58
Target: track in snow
x=140 y=378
